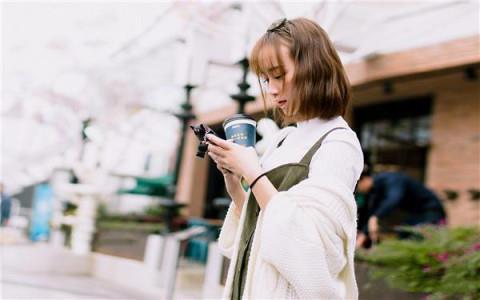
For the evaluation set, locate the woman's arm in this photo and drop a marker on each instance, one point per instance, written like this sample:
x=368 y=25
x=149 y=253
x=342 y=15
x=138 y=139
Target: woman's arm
x=234 y=189
x=238 y=200
x=263 y=191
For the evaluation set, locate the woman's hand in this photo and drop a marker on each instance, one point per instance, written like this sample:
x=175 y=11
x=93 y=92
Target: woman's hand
x=243 y=162
x=232 y=184
x=240 y=160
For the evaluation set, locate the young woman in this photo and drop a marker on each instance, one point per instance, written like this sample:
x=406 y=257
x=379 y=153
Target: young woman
x=292 y=235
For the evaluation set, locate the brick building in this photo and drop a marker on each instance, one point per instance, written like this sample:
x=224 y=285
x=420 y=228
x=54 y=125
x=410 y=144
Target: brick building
x=415 y=111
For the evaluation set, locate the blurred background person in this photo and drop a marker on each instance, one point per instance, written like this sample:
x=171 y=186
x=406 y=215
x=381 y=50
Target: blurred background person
x=6 y=206
x=392 y=199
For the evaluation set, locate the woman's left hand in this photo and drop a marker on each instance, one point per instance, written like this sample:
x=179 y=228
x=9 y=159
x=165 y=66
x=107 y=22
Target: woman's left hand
x=238 y=159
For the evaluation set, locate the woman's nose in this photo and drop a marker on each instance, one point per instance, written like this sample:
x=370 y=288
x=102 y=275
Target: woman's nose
x=273 y=89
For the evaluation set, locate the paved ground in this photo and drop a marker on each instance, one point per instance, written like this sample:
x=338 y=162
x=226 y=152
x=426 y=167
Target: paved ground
x=20 y=285
x=28 y=283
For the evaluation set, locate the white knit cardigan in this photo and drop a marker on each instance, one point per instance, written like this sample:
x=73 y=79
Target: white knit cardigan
x=303 y=246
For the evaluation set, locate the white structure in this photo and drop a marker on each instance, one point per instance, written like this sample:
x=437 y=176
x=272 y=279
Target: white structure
x=83 y=223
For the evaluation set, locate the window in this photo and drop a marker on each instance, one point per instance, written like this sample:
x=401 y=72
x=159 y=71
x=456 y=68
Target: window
x=395 y=136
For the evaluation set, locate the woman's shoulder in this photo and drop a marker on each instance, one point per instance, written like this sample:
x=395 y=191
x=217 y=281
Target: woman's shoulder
x=343 y=134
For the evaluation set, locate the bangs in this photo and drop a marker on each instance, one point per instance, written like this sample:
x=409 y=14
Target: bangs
x=264 y=60
x=265 y=56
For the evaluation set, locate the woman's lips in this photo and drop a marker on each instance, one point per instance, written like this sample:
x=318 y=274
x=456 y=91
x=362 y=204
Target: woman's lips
x=282 y=103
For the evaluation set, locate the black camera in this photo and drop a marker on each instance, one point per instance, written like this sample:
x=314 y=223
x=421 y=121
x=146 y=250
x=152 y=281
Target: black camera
x=201 y=132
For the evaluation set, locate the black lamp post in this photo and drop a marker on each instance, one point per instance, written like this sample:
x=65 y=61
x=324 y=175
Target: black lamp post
x=242 y=97
x=185 y=116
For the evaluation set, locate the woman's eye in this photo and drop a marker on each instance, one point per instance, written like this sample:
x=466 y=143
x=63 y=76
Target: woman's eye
x=278 y=77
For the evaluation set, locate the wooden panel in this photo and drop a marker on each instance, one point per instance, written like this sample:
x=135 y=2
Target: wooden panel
x=452 y=54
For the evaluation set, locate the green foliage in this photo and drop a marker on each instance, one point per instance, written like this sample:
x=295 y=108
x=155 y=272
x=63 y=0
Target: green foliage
x=154 y=210
x=443 y=262
x=131 y=226
x=102 y=210
x=69 y=209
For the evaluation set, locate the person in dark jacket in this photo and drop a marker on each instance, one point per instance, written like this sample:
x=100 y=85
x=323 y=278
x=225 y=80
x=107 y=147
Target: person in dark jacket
x=391 y=192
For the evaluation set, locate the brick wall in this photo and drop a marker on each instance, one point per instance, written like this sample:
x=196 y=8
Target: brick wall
x=454 y=159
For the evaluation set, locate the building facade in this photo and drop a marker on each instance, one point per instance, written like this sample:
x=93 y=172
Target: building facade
x=415 y=111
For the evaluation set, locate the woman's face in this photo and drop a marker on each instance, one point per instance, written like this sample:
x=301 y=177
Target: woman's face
x=279 y=79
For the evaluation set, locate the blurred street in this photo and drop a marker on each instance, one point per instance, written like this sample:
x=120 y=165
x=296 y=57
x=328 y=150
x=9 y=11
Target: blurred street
x=25 y=285
x=37 y=271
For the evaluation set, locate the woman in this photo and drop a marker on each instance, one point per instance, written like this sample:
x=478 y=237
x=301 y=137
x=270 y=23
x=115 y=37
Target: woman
x=293 y=234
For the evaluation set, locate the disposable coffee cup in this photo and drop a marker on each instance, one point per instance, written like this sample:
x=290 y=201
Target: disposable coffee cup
x=241 y=129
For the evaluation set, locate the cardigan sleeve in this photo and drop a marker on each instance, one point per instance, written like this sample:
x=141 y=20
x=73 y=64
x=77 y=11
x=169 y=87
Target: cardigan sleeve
x=308 y=231
x=228 y=232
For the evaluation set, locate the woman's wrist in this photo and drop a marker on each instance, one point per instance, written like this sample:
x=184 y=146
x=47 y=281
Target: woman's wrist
x=249 y=178
x=256 y=180
x=238 y=194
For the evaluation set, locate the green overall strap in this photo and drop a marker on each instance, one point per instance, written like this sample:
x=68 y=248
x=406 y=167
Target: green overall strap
x=308 y=157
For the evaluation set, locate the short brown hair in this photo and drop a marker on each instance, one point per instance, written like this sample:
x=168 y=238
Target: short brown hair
x=320 y=84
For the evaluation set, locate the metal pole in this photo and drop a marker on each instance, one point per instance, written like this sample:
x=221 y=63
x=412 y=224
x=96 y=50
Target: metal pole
x=185 y=116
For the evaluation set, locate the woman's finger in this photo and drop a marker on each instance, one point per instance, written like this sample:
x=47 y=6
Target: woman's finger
x=225 y=172
x=219 y=161
x=219 y=142
x=218 y=151
x=221 y=169
x=214 y=157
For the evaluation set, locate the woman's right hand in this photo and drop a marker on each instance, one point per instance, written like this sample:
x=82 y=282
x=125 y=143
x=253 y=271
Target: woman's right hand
x=233 y=186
